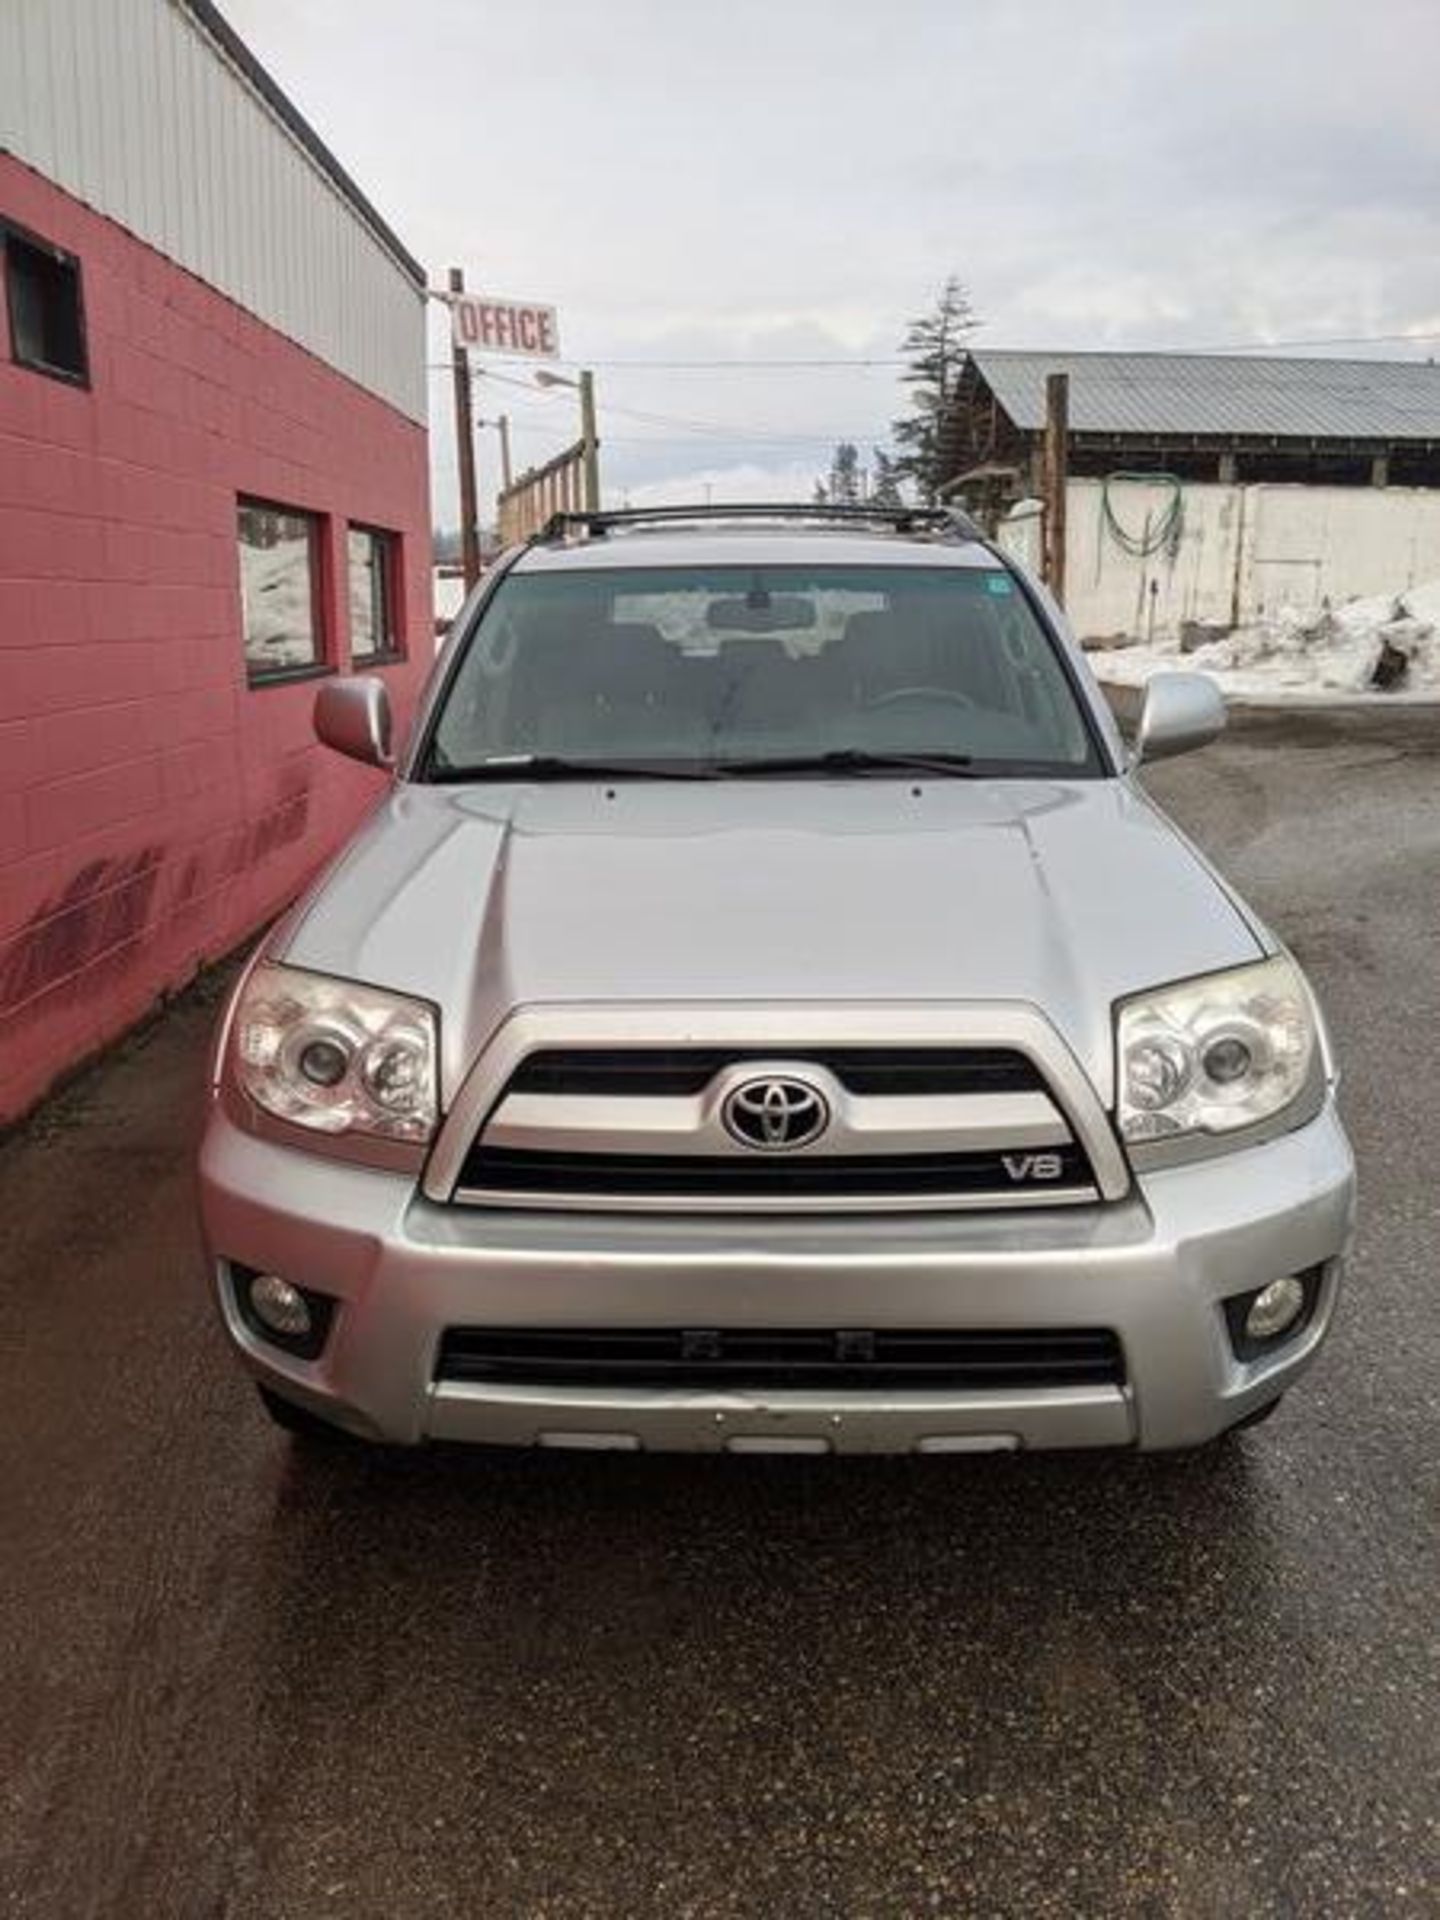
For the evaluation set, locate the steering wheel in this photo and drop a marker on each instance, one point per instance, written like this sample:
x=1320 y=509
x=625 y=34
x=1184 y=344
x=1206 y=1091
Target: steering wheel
x=950 y=696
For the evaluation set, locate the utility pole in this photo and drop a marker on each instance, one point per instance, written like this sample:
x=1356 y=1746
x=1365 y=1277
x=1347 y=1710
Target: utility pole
x=590 y=441
x=503 y=423
x=465 y=450
x=1056 y=475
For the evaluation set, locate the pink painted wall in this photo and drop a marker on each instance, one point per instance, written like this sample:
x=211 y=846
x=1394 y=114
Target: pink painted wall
x=154 y=808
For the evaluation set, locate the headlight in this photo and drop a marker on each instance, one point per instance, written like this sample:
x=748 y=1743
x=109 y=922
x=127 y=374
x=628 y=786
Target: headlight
x=336 y=1057
x=1214 y=1055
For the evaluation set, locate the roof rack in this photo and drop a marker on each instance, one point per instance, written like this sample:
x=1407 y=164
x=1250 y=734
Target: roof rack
x=947 y=522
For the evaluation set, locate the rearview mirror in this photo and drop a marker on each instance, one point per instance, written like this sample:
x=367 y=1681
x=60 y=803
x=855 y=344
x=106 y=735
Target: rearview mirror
x=353 y=717
x=1181 y=711
x=761 y=612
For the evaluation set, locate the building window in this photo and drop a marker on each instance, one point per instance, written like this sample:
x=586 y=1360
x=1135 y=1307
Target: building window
x=280 y=590
x=374 y=595
x=42 y=298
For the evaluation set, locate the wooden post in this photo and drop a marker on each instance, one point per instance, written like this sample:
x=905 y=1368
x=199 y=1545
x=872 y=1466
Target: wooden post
x=1057 y=473
x=591 y=442
x=465 y=451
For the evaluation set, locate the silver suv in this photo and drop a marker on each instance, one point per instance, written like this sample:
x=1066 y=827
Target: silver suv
x=764 y=1013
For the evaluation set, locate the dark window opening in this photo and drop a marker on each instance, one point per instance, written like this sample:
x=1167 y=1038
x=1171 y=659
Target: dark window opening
x=42 y=297
x=279 y=550
x=374 y=595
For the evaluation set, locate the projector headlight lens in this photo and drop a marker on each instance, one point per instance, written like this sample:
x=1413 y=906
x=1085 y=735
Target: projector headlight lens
x=336 y=1057
x=1217 y=1054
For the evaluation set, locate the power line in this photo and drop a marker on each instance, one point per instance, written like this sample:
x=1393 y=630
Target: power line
x=740 y=365
x=743 y=364
x=1275 y=346
x=738 y=433
x=719 y=427
x=1229 y=346
x=697 y=442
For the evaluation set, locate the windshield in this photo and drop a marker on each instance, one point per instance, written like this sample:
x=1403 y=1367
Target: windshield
x=731 y=667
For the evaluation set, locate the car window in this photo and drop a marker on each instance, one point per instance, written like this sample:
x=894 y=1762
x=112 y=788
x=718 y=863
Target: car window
x=748 y=663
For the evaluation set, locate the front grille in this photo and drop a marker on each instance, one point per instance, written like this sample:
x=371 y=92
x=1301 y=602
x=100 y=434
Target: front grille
x=681 y=1071
x=738 y=1177
x=650 y=1124
x=741 y=1358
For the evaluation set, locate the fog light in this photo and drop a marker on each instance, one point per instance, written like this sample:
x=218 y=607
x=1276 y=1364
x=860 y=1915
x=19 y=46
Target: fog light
x=1275 y=1308
x=280 y=1306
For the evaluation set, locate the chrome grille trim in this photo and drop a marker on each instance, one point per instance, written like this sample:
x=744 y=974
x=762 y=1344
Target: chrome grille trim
x=798 y=1034
x=889 y=1123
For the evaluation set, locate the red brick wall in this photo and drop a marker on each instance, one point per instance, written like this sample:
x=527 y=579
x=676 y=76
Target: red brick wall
x=154 y=808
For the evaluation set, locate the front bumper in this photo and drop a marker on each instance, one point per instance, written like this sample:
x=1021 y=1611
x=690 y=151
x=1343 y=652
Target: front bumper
x=1153 y=1267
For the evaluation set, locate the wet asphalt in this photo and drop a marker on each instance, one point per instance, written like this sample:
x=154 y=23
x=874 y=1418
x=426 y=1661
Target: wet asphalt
x=235 y=1681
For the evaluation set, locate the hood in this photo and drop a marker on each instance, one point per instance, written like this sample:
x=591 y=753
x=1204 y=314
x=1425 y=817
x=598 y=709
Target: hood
x=1064 y=894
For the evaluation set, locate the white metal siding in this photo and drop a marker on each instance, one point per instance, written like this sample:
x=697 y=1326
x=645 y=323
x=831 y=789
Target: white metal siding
x=131 y=107
x=1244 y=550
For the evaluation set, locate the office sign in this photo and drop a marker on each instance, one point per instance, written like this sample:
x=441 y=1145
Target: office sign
x=483 y=323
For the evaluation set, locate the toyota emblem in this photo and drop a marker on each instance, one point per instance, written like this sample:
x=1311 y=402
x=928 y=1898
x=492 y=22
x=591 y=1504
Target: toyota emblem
x=775 y=1113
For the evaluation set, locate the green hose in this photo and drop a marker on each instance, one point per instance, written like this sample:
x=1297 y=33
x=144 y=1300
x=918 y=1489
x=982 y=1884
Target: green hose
x=1160 y=536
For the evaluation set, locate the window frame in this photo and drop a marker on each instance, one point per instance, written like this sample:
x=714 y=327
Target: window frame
x=12 y=231
x=323 y=663
x=392 y=650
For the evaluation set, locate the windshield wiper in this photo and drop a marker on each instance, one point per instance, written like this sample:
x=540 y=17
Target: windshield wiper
x=958 y=766
x=556 y=766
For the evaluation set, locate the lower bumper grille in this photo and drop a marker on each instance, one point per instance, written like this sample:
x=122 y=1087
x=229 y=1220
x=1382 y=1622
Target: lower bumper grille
x=741 y=1358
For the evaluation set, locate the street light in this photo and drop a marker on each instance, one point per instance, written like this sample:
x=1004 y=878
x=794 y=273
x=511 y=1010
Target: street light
x=589 y=439
x=501 y=424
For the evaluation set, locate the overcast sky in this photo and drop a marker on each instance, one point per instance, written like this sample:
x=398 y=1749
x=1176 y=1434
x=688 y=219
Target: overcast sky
x=793 y=179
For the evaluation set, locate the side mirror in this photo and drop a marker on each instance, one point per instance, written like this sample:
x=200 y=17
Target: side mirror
x=1181 y=711
x=353 y=717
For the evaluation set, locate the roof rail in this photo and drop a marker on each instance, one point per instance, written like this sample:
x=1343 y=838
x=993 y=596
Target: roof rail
x=593 y=523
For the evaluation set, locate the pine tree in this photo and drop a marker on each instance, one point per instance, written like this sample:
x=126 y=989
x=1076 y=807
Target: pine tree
x=886 y=490
x=844 y=489
x=934 y=350
x=844 y=484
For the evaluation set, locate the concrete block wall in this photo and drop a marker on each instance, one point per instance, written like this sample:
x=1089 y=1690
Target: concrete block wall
x=154 y=807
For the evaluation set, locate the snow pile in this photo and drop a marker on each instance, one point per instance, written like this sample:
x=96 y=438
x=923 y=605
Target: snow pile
x=449 y=594
x=1383 y=645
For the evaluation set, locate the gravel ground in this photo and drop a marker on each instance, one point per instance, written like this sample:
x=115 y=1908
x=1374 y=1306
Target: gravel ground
x=241 y=1683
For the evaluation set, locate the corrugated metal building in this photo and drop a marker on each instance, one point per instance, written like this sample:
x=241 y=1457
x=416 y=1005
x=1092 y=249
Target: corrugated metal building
x=1225 y=417
x=1277 y=482
x=213 y=490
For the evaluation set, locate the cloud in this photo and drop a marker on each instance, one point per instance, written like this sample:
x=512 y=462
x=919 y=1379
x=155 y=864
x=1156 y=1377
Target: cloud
x=765 y=180
x=728 y=485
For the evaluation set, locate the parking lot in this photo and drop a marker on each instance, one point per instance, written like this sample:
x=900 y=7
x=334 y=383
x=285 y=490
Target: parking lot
x=240 y=1682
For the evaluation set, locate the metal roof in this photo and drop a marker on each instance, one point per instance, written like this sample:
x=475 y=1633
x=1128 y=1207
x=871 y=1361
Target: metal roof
x=1221 y=394
x=213 y=22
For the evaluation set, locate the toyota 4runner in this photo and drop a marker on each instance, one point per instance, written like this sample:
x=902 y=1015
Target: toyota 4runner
x=765 y=1013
